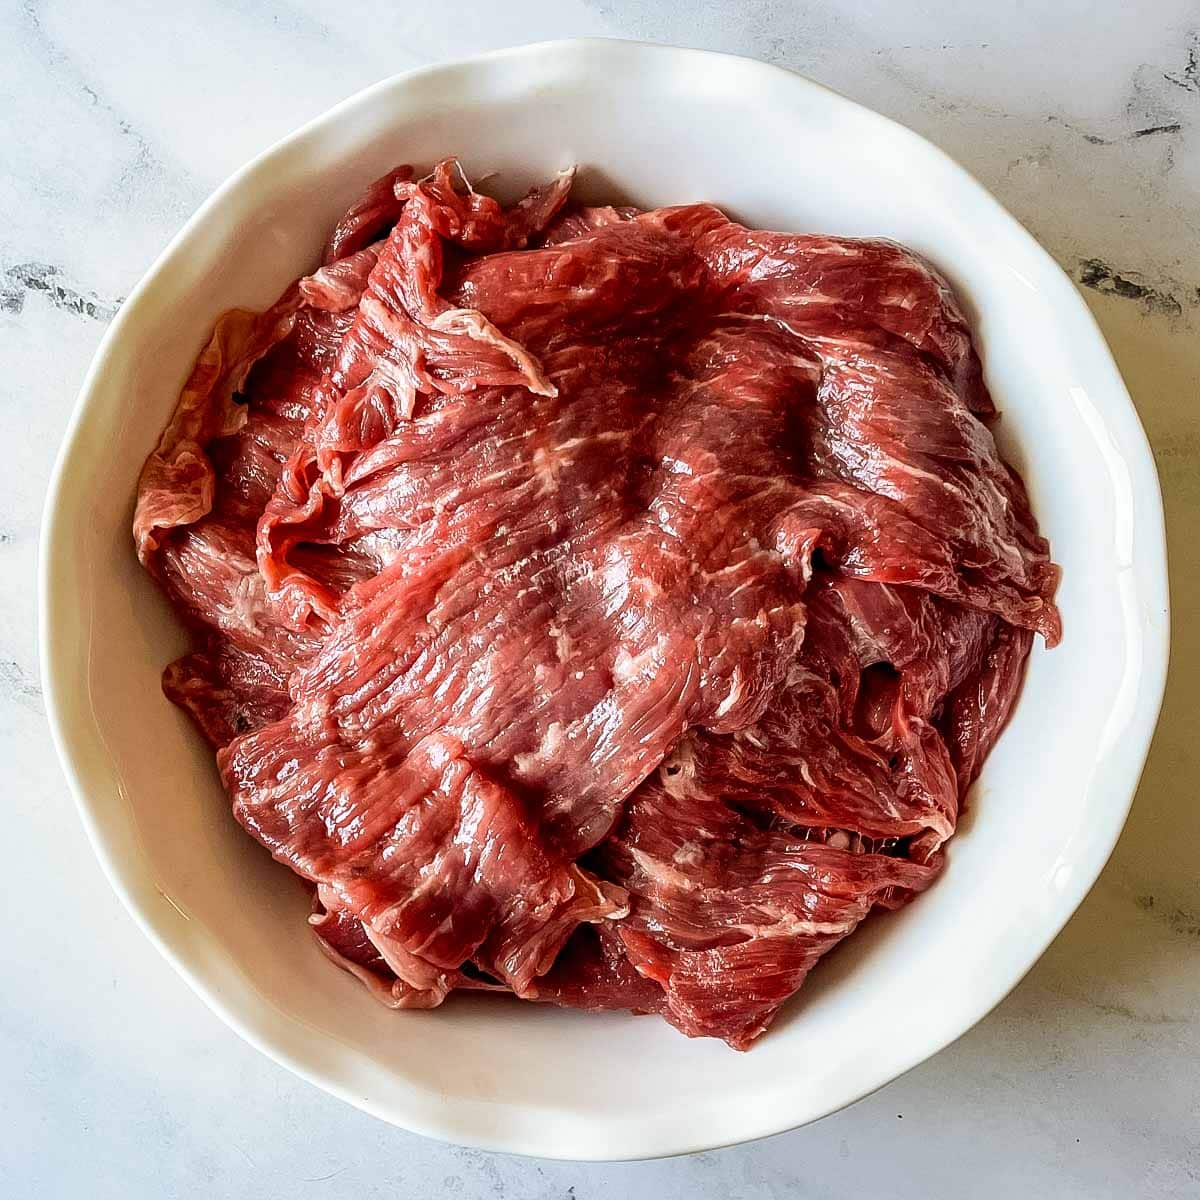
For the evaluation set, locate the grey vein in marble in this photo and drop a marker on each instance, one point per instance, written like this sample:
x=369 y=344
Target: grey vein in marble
x=40 y=277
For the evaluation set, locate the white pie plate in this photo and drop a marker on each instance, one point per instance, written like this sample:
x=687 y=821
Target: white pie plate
x=655 y=125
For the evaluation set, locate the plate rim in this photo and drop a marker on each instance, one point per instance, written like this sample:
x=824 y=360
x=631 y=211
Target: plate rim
x=204 y=977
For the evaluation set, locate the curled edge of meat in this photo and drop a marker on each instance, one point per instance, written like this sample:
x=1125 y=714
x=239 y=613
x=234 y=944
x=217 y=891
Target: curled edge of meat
x=178 y=482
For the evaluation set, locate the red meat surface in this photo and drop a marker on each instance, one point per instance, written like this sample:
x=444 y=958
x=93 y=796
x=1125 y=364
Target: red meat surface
x=605 y=607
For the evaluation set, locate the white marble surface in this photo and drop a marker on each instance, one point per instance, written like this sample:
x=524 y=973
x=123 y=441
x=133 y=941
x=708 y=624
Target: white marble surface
x=1084 y=117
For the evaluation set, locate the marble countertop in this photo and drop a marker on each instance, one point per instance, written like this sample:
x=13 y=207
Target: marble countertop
x=115 y=1081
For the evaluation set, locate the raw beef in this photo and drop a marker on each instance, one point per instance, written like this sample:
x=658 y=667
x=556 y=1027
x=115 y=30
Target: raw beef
x=604 y=607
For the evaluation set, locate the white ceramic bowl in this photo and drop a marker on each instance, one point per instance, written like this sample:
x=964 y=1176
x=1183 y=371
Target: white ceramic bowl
x=659 y=126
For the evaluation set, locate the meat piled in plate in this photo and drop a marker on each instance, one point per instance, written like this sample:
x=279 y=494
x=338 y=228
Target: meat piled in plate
x=602 y=606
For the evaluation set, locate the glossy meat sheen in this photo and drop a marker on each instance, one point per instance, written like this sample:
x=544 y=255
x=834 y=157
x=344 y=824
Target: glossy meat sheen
x=609 y=608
